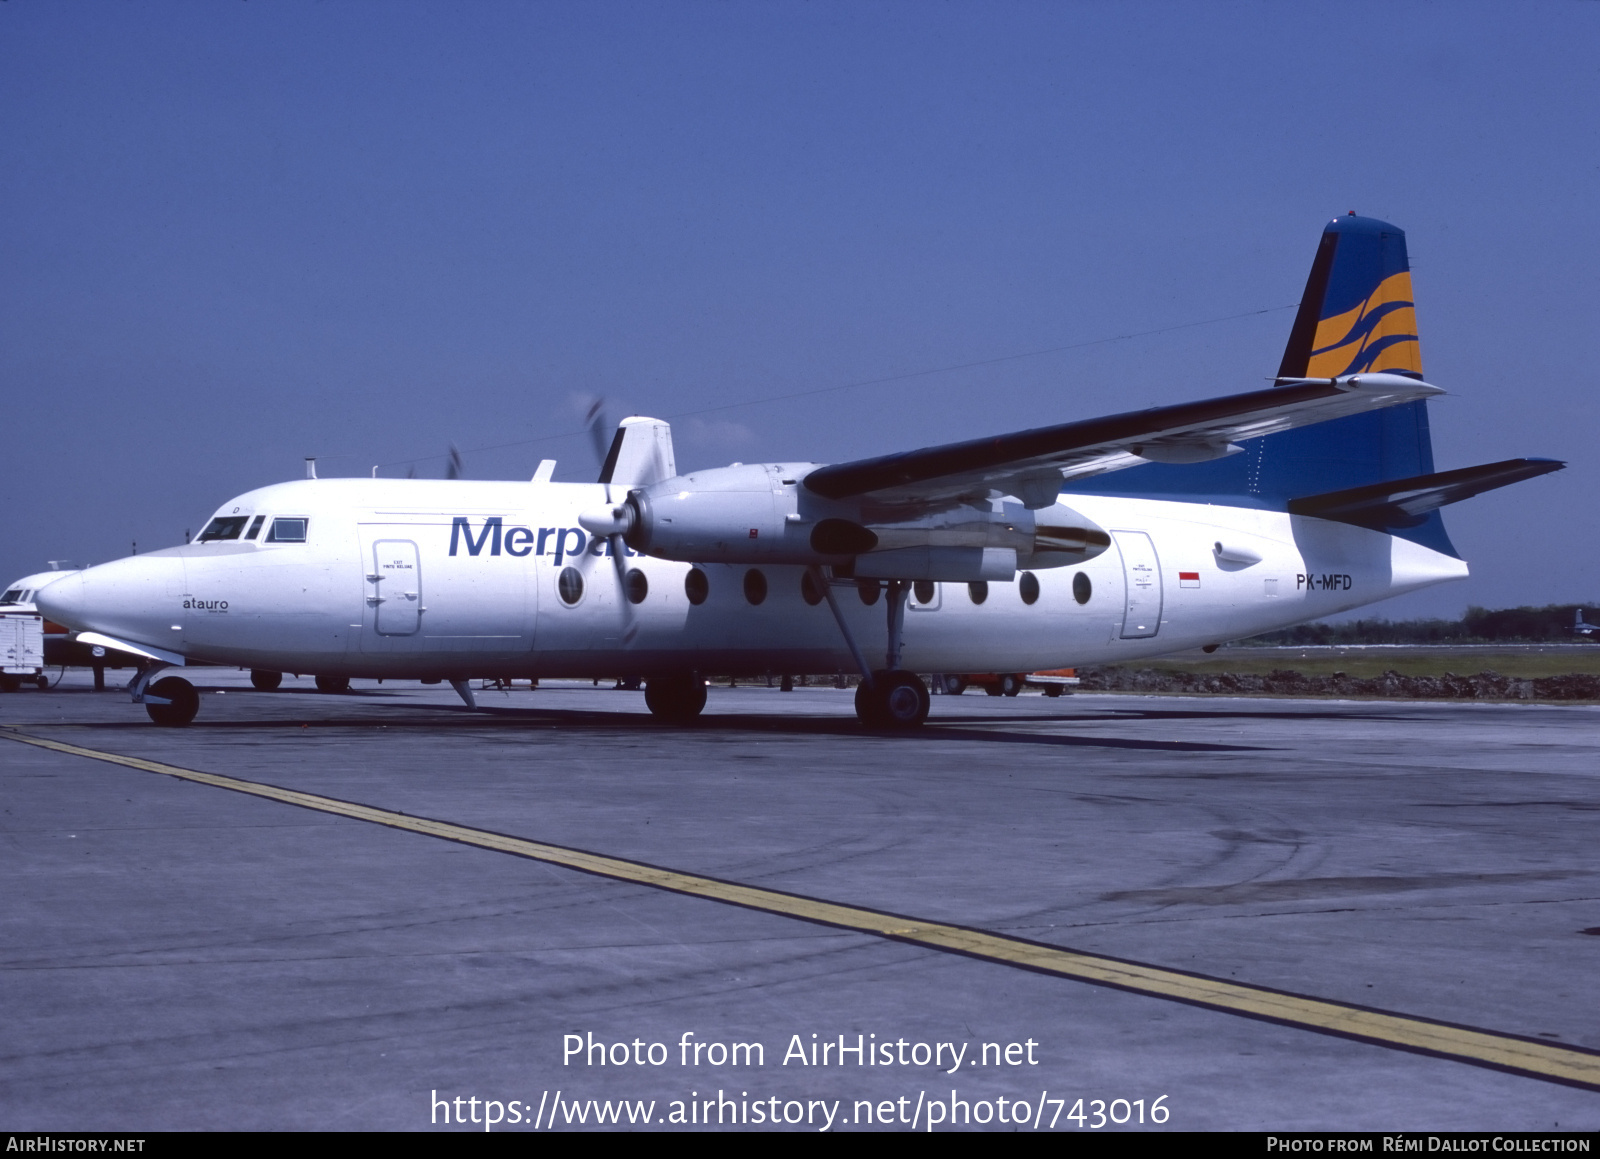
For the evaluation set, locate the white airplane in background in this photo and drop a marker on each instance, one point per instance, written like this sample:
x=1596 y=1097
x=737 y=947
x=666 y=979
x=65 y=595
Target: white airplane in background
x=1021 y=552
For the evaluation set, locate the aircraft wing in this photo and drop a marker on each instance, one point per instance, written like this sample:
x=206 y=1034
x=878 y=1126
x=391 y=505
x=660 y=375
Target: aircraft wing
x=1032 y=465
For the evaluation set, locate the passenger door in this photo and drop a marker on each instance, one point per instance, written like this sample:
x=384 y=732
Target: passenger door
x=467 y=603
x=394 y=587
x=1141 y=614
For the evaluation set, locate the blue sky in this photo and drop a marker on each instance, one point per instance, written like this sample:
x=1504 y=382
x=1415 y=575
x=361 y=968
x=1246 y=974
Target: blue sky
x=237 y=234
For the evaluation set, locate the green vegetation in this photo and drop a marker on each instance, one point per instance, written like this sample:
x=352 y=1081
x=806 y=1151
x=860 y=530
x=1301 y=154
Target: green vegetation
x=1551 y=624
x=1525 y=663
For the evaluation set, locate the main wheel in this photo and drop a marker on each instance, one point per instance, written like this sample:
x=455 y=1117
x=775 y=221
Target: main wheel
x=333 y=684
x=182 y=702
x=955 y=685
x=265 y=681
x=1010 y=685
x=893 y=700
x=869 y=702
x=678 y=699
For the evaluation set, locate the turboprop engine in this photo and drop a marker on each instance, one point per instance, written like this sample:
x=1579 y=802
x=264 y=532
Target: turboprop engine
x=763 y=514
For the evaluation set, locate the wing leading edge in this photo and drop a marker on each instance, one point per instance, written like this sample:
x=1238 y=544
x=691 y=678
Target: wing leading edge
x=1032 y=465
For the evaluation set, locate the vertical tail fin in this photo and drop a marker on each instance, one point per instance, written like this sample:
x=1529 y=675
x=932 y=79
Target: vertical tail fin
x=1357 y=313
x=1356 y=316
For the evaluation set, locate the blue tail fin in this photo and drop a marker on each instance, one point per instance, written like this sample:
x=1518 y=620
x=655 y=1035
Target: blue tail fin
x=1356 y=316
x=1357 y=313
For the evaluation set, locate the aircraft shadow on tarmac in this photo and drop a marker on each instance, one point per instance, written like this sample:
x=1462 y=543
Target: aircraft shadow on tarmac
x=970 y=728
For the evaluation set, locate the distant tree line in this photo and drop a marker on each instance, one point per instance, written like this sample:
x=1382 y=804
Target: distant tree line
x=1547 y=625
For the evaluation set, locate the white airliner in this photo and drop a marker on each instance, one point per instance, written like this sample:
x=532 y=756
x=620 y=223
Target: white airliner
x=1021 y=552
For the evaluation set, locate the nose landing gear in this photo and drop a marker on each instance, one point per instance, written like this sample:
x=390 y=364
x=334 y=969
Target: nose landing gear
x=171 y=702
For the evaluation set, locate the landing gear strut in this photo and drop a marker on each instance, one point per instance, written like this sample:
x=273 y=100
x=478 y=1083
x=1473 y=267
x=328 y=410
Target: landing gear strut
x=889 y=697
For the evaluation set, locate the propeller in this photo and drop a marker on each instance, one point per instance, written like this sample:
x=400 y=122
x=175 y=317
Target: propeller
x=610 y=530
x=595 y=419
x=619 y=559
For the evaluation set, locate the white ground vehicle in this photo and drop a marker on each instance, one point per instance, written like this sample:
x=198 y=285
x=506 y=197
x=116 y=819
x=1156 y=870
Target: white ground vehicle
x=22 y=633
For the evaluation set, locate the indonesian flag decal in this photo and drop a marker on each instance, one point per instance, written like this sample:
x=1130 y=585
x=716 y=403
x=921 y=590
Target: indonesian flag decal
x=1188 y=579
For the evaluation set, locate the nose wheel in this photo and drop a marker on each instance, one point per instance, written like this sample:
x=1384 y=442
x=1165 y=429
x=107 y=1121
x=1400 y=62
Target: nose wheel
x=171 y=701
x=896 y=699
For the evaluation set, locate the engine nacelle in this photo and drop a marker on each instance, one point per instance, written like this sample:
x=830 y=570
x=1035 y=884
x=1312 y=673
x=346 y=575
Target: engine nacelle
x=759 y=514
x=738 y=514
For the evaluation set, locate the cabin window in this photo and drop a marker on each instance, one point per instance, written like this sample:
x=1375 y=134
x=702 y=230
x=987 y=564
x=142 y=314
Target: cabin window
x=1028 y=588
x=255 y=527
x=1082 y=589
x=696 y=586
x=924 y=591
x=809 y=591
x=636 y=585
x=569 y=586
x=755 y=586
x=979 y=591
x=868 y=590
x=287 y=531
x=227 y=527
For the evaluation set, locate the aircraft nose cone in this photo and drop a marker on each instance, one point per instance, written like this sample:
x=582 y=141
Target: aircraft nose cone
x=136 y=599
x=62 y=601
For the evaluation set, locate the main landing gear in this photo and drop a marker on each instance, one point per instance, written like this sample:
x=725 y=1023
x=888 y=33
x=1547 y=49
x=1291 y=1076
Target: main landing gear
x=677 y=699
x=889 y=697
x=892 y=699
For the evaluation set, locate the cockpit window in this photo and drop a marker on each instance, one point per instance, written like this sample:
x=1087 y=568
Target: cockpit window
x=227 y=527
x=255 y=527
x=287 y=531
x=14 y=596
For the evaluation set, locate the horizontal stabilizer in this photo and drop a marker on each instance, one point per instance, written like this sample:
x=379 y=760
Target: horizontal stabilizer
x=1033 y=464
x=1406 y=502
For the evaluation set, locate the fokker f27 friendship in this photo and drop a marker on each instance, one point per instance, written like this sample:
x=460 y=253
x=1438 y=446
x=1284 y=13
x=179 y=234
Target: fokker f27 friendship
x=1090 y=542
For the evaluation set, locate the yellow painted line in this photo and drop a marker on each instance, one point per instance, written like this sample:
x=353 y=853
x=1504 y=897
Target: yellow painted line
x=1480 y=1047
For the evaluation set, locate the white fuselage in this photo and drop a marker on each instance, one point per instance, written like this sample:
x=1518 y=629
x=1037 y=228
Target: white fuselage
x=428 y=579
